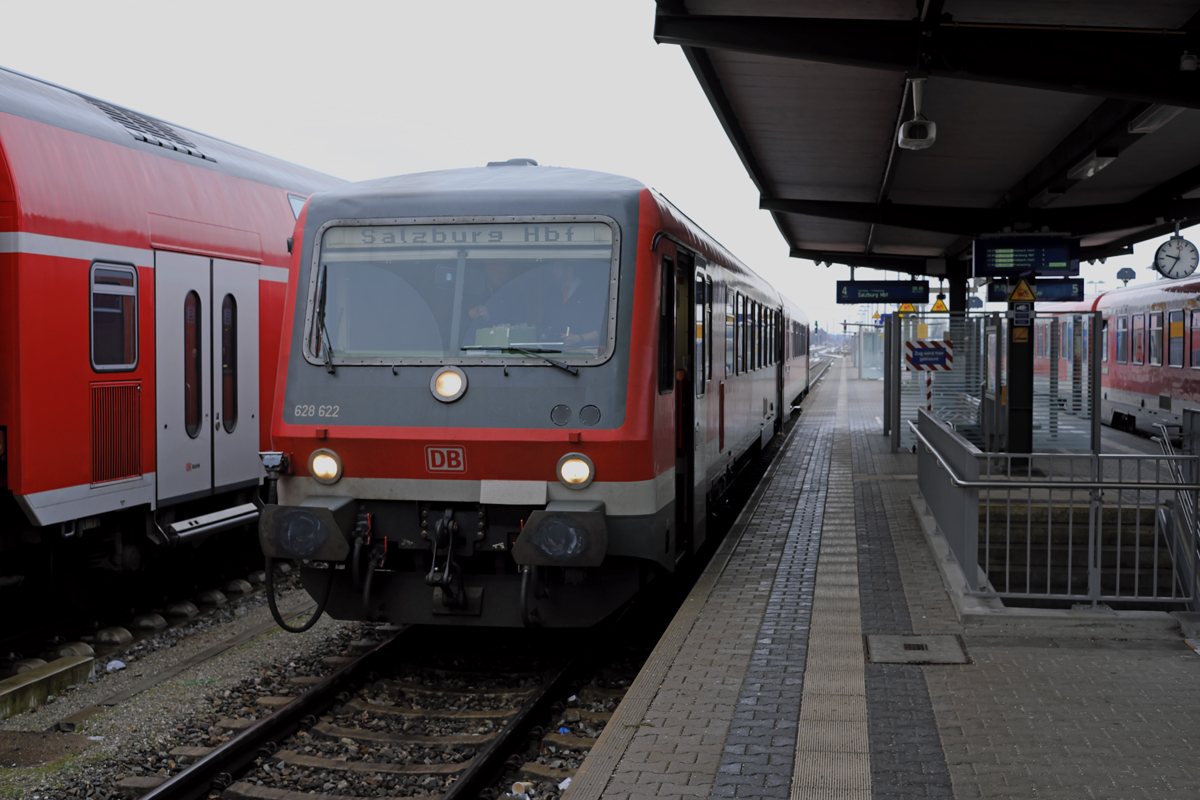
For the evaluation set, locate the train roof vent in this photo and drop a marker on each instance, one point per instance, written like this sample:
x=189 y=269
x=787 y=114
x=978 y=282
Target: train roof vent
x=514 y=162
x=149 y=130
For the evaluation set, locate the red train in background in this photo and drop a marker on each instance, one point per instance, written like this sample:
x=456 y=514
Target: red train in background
x=509 y=395
x=143 y=268
x=1149 y=351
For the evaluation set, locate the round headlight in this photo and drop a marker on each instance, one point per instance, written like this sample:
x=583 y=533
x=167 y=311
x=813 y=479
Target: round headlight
x=448 y=384
x=325 y=466
x=575 y=470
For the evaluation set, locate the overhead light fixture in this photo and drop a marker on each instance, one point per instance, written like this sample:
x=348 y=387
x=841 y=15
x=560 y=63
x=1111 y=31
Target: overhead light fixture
x=1045 y=197
x=1093 y=163
x=1154 y=118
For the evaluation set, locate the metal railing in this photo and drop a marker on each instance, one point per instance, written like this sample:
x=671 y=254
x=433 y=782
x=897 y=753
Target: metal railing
x=1083 y=527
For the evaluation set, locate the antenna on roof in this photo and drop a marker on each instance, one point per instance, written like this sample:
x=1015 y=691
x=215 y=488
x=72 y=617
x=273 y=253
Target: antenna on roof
x=514 y=162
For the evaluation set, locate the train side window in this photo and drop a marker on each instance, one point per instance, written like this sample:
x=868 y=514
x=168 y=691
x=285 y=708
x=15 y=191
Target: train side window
x=1137 y=334
x=701 y=334
x=1195 y=340
x=114 y=318
x=1122 y=340
x=741 y=334
x=708 y=327
x=192 y=370
x=757 y=336
x=774 y=337
x=751 y=334
x=1104 y=340
x=730 y=328
x=1175 y=339
x=1156 y=339
x=229 y=384
x=666 y=329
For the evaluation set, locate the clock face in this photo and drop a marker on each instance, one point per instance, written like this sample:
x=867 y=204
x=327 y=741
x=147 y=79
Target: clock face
x=1177 y=258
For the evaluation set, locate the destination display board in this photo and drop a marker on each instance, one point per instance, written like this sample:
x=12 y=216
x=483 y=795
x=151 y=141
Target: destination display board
x=1059 y=291
x=994 y=258
x=883 y=291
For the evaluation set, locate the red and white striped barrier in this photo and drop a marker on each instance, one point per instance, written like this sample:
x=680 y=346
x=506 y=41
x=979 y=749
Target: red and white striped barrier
x=929 y=355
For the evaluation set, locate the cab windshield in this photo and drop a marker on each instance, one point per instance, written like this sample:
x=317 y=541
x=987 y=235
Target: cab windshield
x=389 y=293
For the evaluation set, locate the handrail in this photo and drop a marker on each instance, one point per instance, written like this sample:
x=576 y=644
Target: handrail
x=960 y=482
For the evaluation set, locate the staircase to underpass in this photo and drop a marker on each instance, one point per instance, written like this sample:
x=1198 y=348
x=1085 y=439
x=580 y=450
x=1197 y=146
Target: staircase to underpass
x=1038 y=556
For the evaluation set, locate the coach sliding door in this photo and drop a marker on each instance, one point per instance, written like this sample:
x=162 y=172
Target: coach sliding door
x=234 y=363
x=182 y=289
x=206 y=358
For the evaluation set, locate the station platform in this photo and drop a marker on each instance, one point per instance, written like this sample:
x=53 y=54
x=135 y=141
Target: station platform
x=820 y=655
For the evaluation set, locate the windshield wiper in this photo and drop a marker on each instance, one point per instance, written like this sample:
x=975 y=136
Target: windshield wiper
x=326 y=348
x=536 y=352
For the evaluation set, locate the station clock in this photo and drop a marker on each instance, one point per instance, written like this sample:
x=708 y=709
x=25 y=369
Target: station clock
x=1176 y=258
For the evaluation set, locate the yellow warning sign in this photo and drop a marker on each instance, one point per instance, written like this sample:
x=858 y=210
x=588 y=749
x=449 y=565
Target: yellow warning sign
x=940 y=305
x=1022 y=293
x=876 y=316
x=907 y=308
x=1020 y=334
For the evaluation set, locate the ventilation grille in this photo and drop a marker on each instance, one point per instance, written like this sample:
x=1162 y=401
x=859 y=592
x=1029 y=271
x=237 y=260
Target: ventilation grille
x=149 y=130
x=908 y=646
x=116 y=431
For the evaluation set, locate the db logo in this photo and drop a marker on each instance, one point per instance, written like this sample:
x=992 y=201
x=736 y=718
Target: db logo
x=441 y=458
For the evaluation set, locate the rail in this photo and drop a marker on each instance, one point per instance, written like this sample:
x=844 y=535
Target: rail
x=1065 y=527
x=216 y=769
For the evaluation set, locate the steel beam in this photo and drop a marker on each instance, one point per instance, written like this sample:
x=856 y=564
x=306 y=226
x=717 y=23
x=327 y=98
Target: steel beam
x=1076 y=220
x=1077 y=60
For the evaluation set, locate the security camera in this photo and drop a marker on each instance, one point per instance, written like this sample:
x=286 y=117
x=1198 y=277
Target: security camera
x=918 y=133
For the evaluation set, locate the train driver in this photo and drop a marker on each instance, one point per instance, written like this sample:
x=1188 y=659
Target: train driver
x=574 y=314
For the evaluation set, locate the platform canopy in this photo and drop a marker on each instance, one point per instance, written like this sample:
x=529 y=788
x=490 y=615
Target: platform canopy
x=1079 y=117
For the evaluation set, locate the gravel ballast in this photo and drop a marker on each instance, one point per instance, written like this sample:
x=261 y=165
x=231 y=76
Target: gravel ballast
x=133 y=739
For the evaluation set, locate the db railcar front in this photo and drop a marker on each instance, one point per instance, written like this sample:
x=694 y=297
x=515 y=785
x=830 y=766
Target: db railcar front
x=464 y=441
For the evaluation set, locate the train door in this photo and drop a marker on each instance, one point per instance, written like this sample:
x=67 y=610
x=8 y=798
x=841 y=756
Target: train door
x=702 y=325
x=193 y=343
x=779 y=346
x=689 y=408
x=234 y=365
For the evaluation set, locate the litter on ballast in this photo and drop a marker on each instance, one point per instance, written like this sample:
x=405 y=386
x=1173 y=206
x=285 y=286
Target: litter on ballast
x=115 y=665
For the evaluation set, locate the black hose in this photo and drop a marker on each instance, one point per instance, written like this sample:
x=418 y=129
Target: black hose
x=529 y=616
x=356 y=563
x=367 y=590
x=270 y=584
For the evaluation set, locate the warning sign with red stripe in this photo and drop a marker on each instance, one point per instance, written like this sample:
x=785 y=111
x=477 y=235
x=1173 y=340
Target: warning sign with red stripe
x=929 y=355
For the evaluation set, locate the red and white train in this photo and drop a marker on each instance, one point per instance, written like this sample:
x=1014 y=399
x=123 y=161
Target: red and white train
x=509 y=394
x=1149 y=351
x=143 y=268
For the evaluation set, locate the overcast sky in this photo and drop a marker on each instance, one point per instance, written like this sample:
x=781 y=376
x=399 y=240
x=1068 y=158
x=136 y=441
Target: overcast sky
x=369 y=89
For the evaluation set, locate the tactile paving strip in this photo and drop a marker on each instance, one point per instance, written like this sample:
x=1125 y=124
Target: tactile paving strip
x=833 y=760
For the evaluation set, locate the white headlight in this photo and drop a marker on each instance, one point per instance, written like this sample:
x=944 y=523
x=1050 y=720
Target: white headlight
x=325 y=466
x=448 y=384
x=575 y=470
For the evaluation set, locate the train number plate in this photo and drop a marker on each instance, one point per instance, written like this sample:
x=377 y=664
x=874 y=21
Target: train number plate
x=443 y=458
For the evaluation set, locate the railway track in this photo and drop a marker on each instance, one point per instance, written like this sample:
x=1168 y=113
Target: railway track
x=427 y=727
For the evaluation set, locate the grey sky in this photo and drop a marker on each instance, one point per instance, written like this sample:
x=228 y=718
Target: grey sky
x=367 y=89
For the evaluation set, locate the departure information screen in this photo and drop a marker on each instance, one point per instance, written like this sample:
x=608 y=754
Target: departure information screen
x=995 y=258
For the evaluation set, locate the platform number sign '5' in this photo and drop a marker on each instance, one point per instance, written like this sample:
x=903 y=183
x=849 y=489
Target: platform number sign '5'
x=445 y=458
